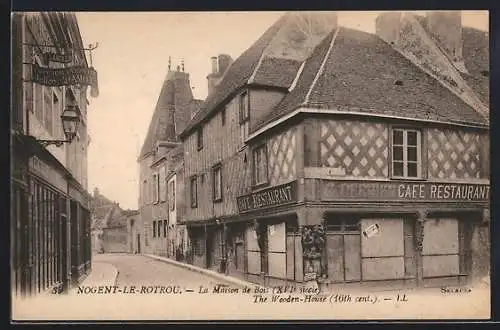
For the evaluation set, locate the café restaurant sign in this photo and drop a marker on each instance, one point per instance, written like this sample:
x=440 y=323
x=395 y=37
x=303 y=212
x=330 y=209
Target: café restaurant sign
x=75 y=75
x=404 y=191
x=274 y=196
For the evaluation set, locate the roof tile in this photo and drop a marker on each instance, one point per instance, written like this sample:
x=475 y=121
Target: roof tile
x=360 y=74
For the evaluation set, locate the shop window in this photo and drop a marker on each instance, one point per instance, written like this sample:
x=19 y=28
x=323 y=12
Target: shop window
x=217 y=181
x=154 y=228
x=260 y=165
x=194 y=192
x=406 y=153
x=244 y=115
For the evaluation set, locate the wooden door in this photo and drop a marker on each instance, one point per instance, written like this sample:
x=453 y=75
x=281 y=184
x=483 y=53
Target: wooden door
x=239 y=256
x=344 y=256
x=335 y=255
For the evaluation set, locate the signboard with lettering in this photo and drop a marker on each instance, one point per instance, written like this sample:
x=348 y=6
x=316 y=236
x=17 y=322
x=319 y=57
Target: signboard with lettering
x=76 y=75
x=404 y=191
x=58 y=58
x=42 y=169
x=274 y=196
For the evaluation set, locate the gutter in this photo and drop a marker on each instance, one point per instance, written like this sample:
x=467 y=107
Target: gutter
x=302 y=108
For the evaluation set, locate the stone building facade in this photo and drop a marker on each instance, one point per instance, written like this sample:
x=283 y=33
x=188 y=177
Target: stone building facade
x=160 y=166
x=50 y=217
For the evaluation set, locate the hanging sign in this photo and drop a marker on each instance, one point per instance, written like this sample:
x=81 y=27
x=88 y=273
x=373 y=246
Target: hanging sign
x=59 y=58
x=76 y=75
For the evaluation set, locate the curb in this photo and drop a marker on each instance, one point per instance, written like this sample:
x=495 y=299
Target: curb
x=208 y=272
x=114 y=274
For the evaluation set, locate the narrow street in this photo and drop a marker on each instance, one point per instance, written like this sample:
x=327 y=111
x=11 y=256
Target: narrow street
x=140 y=270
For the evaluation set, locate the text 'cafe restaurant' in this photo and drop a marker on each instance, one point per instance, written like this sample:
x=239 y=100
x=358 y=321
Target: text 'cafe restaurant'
x=353 y=233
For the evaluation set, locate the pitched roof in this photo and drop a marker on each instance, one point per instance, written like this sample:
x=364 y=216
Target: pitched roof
x=360 y=74
x=475 y=52
x=278 y=72
x=236 y=76
x=172 y=111
x=298 y=94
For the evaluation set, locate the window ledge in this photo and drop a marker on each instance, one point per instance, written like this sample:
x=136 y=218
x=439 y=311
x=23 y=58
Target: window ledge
x=397 y=178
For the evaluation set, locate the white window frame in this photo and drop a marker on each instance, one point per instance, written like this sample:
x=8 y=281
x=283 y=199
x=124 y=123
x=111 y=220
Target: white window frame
x=405 y=153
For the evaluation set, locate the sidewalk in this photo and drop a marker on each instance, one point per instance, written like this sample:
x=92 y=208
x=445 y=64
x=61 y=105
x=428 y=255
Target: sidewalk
x=208 y=272
x=480 y=285
x=102 y=274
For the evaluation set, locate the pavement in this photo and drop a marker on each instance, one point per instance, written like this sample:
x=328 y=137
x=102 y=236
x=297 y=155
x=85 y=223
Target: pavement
x=222 y=277
x=102 y=274
x=187 y=293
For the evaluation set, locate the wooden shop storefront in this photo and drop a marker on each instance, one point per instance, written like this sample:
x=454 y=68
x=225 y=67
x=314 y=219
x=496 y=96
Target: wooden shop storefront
x=358 y=233
x=406 y=233
x=50 y=222
x=267 y=246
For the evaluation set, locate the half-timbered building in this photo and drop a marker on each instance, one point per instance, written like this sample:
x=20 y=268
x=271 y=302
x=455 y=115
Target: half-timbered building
x=349 y=161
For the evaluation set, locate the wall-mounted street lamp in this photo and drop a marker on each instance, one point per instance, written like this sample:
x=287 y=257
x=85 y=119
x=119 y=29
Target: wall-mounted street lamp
x=70 y=120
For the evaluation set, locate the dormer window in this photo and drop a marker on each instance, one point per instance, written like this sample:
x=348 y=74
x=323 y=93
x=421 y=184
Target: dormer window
x=199 y=138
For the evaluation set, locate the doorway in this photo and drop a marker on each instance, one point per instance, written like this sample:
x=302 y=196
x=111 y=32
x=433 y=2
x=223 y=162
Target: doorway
x=343 y=248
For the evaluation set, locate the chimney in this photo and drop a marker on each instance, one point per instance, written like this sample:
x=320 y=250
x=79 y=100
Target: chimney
x=446 y=29
x=215 y=64
x=220 y=64
x=388 y=25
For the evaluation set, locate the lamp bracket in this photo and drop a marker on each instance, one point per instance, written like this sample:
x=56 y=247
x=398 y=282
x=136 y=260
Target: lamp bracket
x=57 y=143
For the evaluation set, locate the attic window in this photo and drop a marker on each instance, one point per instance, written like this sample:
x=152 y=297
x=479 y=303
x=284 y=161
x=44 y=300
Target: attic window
x=398 y=82
x=485 y=73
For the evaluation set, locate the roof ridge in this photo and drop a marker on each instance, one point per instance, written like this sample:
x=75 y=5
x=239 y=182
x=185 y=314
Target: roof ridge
x=297 y=76
x=470 y=97
x=321 y=68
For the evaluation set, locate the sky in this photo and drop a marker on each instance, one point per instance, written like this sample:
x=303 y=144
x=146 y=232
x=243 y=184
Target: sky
x=132 y=62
